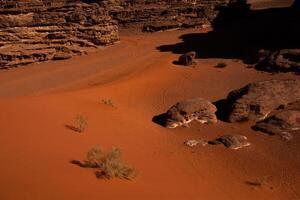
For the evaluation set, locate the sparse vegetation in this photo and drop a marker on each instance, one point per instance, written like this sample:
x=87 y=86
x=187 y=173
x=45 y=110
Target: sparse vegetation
x=108 y=102
x=107 y=164
x=221 y=65
x=80 y=123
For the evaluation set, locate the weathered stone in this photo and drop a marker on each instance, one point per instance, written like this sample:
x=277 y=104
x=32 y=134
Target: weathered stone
x=256 y=100
x=187 y=58
x=185 y=112
x=229 y=141
x=285 y=121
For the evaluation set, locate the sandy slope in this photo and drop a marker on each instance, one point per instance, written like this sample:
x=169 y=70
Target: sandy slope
x=36 y=147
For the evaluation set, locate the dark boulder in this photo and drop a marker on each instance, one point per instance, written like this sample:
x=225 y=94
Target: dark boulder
x=284 y=122
x=187 y=58
x=256 y=100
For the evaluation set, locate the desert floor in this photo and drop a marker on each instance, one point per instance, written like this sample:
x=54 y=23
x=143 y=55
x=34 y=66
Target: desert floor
x=37 y=101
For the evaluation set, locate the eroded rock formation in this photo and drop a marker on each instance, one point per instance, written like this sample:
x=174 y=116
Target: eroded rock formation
x=150 y=15
x=187 y=111
x=256 y=100
x=35 y=31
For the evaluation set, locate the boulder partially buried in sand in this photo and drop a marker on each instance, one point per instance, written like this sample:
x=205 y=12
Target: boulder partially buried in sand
x=256 y=100
x=229 y=141
x=187 y=58
x=232 y=141
x=285 y=121
x=185 y=112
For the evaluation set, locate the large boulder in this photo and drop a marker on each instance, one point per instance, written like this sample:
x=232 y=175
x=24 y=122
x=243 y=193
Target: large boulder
x=185 y=112
x=256 y=100
x=187 y=58
x=284 y=122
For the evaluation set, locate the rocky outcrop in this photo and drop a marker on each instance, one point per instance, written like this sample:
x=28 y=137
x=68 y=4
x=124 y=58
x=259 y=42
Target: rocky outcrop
x=285 y=60
x=36 y=31
x=149 y=15
x=256 y=100
x=187 y=111
x=285 y=121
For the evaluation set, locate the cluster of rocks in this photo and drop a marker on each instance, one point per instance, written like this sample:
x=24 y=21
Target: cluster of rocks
x=35 y=31
x=274 y=105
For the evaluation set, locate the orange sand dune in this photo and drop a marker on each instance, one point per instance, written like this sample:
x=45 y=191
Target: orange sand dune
x=39 y=100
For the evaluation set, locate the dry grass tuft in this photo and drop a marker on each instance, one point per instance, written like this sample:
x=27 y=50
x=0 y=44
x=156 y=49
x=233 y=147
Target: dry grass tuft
x=108 y=102
x=80 y=123
x=108 y=164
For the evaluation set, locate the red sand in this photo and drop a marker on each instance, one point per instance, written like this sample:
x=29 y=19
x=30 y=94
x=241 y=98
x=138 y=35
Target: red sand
x=36 y=148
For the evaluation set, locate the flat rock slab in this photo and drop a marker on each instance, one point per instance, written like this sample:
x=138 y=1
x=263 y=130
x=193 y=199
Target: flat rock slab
x=229 y=141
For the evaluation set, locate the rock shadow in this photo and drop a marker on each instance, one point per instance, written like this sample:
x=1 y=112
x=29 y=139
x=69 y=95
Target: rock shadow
x=222 y=109
x=160 y=119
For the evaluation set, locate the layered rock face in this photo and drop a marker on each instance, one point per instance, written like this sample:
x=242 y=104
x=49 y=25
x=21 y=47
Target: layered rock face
x=37 y=31
x=150 y=15
x=257 y=100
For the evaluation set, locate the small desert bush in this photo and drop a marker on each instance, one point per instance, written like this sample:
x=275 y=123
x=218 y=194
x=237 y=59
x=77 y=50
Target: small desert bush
x=221 y=65
x=108 y=164
x=80 y=123
x=108 y=102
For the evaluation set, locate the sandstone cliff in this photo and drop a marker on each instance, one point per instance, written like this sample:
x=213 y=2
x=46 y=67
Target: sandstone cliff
x=37 y=31
x=156 y=15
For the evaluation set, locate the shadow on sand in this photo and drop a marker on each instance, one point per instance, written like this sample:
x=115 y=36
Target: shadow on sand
x=239 y=33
